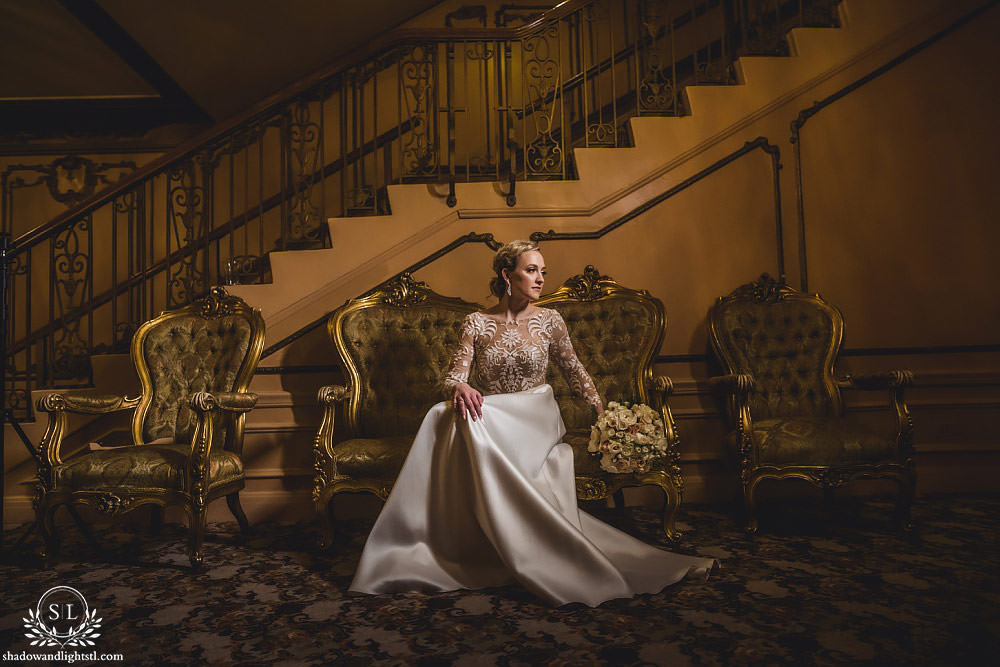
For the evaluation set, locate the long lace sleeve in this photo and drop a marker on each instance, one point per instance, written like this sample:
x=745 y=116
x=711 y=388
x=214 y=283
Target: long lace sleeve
x=561 y=350
x=461 y=362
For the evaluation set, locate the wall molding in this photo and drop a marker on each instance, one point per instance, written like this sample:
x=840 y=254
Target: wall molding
x=809 y=112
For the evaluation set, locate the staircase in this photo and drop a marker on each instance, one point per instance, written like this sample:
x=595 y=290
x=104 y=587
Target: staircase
x=418 y=156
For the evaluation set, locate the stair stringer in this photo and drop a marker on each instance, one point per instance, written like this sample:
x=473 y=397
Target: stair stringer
x=309 y=283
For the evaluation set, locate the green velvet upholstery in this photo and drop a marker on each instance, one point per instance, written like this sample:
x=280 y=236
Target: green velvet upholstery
x=786 y=344
x=194 y=365
x=401 y=354
x=381 y=458
x=778 y=347
x=397 y=344
x=817 y=441
x=142 y=467
x=187 y=355
x=604 y=334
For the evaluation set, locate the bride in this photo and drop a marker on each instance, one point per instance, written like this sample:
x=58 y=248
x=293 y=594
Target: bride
x=487 y=495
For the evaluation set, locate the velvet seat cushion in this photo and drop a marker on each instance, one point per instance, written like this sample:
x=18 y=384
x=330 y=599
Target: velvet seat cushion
x=377 y=458
x=818 y=441
x=142 y=466
x=382 y=458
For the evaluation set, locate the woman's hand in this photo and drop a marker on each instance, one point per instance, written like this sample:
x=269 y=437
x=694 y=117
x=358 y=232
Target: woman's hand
x=467 y=401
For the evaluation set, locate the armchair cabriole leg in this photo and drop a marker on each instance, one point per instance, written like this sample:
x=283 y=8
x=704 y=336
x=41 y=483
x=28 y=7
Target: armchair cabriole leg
x=325 y=511
x=750 y=504
x=196 y=529
x=43 y=520
x=904 y=503
x=233 y=500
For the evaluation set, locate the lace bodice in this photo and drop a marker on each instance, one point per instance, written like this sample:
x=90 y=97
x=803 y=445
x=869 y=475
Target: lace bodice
x=511 y=357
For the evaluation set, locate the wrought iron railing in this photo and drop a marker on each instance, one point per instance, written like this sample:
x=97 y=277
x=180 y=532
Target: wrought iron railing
x=438 y=106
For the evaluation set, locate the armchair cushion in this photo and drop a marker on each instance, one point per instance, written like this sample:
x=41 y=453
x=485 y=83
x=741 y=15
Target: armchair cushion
x=144 y=467
x=818 y=441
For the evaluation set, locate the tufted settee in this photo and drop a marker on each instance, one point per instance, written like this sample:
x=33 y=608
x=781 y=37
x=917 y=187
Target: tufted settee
x=194 y=365
x=784 y=404
x=396 y=344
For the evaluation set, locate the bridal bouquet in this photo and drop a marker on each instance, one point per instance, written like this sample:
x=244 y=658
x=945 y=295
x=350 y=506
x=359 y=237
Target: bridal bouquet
x=628 y=437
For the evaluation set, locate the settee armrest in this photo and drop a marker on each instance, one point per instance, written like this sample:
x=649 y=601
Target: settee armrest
x=735 y=383
x=896 y=382
x=663 y=387
x=328 y=397
x=58 y=406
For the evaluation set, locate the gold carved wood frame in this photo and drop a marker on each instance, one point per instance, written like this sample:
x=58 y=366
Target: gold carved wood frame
x=739 y=384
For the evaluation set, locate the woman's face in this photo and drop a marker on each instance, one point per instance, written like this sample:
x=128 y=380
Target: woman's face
x=528 y=276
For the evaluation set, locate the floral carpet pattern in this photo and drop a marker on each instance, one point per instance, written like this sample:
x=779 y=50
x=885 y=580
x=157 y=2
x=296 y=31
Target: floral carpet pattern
x=819 y=585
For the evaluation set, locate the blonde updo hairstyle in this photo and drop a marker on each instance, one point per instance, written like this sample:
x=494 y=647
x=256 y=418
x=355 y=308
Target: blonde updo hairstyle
x=506 y=258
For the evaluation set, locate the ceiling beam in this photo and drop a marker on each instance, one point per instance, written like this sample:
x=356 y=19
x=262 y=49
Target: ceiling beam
x=105 y=28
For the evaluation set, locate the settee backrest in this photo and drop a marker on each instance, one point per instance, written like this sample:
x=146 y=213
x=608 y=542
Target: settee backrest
x=396 y=346
x=616 y=333
x=787 y=340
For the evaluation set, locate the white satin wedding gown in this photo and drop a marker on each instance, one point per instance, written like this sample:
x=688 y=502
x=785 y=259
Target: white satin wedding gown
x=491 y=502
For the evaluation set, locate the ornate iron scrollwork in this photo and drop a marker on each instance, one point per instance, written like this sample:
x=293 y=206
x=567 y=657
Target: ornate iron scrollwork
x=245 y=269
x=655 y=92
x=543 y=102
x=187 y=222
x=416 y=84
x=71 y=275
x=763 y=29
x=304 y=141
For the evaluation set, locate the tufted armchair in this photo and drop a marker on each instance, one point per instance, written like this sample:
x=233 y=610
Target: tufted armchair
x=784 y=403
x=194 y=365
x=397 y=343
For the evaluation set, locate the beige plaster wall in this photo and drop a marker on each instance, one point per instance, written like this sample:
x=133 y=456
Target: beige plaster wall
x=900 y=234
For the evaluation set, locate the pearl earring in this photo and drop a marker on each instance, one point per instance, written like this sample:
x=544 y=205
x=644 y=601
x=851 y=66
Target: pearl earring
x=508 y=289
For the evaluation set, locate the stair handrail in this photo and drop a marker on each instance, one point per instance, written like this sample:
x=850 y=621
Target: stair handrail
x=274 y=102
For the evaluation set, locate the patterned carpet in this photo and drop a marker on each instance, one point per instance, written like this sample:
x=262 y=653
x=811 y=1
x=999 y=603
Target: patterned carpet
x=818 y=586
